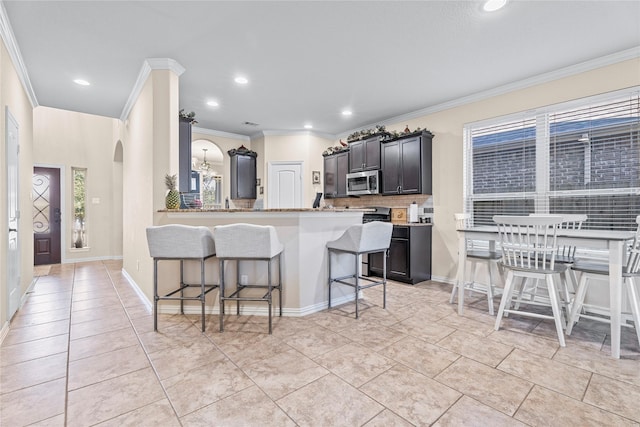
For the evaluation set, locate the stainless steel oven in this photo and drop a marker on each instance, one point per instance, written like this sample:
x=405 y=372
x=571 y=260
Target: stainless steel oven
x=377 y=214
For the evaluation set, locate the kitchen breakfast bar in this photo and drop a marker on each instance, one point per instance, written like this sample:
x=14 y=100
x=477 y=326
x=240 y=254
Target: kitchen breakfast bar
x=304 y=234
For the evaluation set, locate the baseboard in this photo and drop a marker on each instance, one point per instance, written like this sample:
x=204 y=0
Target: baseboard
x=443 y=280
x=4 y=331
x=249 y=310
x=89 y=259
x=137 y=289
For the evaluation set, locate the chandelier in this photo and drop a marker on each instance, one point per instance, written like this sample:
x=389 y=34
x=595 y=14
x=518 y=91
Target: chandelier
x=205 y=166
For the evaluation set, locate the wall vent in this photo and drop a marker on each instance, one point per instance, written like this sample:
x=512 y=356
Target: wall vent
x=250 y=124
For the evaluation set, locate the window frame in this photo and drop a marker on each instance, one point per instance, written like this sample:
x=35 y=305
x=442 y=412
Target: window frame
x=543 y=196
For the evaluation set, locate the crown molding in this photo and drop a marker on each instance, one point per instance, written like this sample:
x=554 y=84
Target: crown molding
x=571 y=70
x=148 y=65
x=6 y=32
x=293 y=133
x=220 y=134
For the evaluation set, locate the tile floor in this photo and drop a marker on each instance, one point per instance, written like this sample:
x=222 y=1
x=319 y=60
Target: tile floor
x=82 y=352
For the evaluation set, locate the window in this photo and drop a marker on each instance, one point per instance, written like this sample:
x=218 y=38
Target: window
x=579 y=157
x=79 y=238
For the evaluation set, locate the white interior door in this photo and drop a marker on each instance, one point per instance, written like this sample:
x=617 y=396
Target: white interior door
x=13 y=247
x=285 y=185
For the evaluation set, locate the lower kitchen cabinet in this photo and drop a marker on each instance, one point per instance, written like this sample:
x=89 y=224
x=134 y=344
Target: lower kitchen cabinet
x=409 y=255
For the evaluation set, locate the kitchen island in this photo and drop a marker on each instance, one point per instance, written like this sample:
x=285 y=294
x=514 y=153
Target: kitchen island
x=304 y=234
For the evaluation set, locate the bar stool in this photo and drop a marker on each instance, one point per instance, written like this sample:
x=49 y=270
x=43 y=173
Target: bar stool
x=476 y=257
x=179 y=243
x=248 y=242
x=372 y=237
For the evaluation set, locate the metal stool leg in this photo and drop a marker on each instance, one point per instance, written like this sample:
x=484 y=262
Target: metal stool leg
x=384 y=279
x=280 y=283
x=221 y=310
x=269 y=292
x=202 y=295
x=330 y=281
x=357 y=277
x=181 y=286
x=155 y=294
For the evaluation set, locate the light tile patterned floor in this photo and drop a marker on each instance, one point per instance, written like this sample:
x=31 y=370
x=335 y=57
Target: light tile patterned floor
x=82 y=352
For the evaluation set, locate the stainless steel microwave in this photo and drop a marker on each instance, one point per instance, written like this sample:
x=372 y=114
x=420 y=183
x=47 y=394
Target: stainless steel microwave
x=359 y=183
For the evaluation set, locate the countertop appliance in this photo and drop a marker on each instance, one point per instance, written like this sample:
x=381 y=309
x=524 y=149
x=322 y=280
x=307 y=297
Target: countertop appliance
x=361 y=183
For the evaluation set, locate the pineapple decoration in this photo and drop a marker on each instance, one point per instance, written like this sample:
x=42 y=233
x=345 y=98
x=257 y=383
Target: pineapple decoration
x=172 y=201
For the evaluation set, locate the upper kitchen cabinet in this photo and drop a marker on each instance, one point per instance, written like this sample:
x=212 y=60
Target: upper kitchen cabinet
x=184 y=155
x=406 y=165
x=364 y=155
x=243 y=173
x=336 y=167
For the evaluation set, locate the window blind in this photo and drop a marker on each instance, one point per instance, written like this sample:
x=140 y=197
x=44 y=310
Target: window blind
x=582 y=157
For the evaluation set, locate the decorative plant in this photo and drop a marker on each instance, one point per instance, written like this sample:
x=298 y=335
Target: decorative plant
x=172 y=201
x=188 y=116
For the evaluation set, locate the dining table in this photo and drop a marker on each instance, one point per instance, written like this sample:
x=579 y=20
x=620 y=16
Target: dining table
x=613 y=241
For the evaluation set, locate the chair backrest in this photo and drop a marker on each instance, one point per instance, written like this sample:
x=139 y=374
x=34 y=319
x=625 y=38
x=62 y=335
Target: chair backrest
x=372 y=236
x=462 y=220
x=528 y=241
x=569 y=222
x=633 y=257
x=180 y=241
x=246 y=241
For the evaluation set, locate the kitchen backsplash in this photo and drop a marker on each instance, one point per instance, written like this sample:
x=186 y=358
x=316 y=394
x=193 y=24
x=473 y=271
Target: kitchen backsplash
x=423 y=201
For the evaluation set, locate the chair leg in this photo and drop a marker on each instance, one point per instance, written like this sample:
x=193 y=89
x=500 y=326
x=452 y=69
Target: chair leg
x=635 y=303
x=578 y=300
x=221 y=268
x=181 y=286
x=269 y=292
x=238 y=286
x=384 y=279
x=506 y=298
x=555 y=306
x=280 y=283
x=202 y=294
x=329 y=275
x=356 y=275
x=155 y=294
x=490 y=288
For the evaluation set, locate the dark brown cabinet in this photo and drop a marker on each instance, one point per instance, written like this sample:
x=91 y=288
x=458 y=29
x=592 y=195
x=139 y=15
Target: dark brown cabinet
x=364 y=155
x=184 y=155
x=406 y=165
x=243 y=174
x=336 y=167
x=409 y=258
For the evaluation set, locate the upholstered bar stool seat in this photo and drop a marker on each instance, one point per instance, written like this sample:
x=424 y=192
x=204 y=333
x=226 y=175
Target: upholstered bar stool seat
x=372 y=237
x=248 y=242
x=180 y=243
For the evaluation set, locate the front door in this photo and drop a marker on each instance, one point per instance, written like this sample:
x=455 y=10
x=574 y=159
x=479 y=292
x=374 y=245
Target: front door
x=13 y=248
x=285 y=185
x=46 y=216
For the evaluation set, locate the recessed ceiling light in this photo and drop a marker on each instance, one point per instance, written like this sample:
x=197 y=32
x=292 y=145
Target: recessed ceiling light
x=307 y=126
x=493 y=5
x=81 y=82
x=212 y=103
x=241 y=80
x=346 y=112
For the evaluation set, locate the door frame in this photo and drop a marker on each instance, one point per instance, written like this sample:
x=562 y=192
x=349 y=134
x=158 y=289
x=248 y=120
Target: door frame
x=12 y=294
x=270 y=188
x=63 y=204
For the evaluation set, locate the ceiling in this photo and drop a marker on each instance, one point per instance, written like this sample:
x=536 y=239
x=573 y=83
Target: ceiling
x=306 y=61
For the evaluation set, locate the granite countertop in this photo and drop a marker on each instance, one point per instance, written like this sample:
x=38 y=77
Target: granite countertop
x=267 y=210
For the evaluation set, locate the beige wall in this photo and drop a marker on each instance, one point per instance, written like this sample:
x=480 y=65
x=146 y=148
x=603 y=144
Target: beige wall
x=150 y=151
x=13 y=97
x=67 y=139
x=447 y=127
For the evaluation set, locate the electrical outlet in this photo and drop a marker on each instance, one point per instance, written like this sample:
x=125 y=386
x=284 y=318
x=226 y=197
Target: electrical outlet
x=244 y=279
